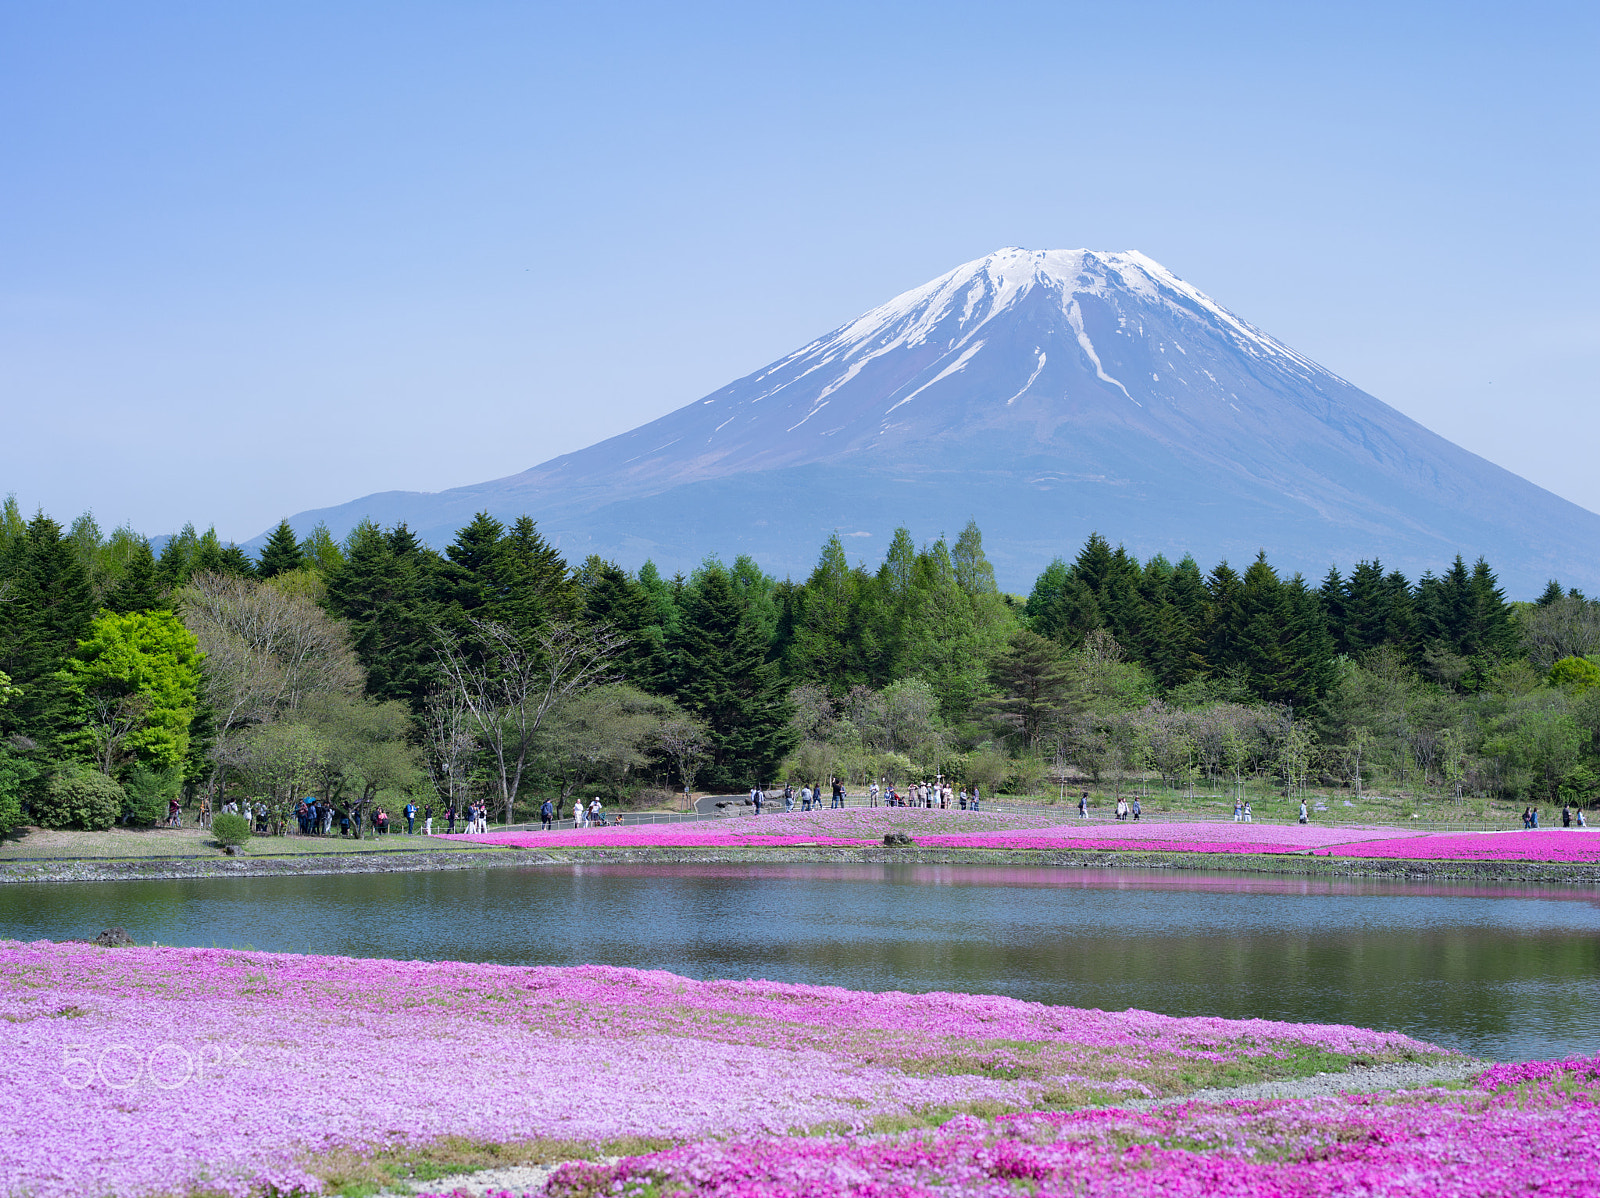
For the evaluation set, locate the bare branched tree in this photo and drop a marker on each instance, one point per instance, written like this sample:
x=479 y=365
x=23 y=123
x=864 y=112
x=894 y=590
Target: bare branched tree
x=450 y=742
x=508 y=683
x=687 y=743
x=265 y=652
x=1569 y=627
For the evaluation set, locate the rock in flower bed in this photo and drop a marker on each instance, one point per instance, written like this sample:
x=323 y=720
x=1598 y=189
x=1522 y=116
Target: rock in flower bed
x=142 y=1071
x=1524 y=1130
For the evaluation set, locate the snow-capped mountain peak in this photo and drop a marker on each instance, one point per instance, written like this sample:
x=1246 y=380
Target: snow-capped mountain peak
x=1046 y=393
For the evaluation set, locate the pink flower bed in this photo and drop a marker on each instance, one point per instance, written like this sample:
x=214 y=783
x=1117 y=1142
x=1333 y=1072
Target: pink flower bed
x=1537 y=1138
x=861 y=827
x=1577 y=846
x=949 y=830
x=144 y=1071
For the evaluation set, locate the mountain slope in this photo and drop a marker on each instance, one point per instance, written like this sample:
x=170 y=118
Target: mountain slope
x=1046 y=394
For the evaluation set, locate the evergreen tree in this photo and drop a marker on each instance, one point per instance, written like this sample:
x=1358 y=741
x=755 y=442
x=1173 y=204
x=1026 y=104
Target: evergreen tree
x=236 y=562
x=1034 y=686
x=208 y=554
x=613 y=599
x=974 y=573
x=176 y=563
x=940 y=637
x=1551 y=594
x=48 y=611
x=281 y=554
x=1308 y=648
x=1225 y=618
x=536 y=586
x=1264 y=622
x=826 y=645
x=721 y=675
x=139 y=589
x=379 y=592
x=1332 y=594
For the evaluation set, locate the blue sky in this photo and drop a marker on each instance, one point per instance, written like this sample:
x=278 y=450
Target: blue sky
x=257 y=258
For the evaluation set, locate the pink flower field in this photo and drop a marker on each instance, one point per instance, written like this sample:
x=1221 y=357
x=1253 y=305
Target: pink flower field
x=143 y=1071
x=862 y=827
x=1576 y=845
x=1524 y=1130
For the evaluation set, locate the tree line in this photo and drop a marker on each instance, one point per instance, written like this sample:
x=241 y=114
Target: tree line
x=376 y=668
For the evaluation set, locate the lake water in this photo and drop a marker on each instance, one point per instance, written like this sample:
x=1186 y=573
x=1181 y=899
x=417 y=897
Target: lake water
x=1506 y=973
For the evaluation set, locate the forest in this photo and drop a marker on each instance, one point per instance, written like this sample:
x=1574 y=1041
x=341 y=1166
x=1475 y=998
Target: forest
x=377 y=669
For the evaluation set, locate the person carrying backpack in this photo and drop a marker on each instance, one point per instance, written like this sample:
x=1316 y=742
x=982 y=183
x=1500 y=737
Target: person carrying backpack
x=546 y=814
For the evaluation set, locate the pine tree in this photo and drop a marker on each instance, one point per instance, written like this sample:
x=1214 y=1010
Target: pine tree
x=281 y=554
x=1551 y=594
x=138 y=590
x=208 y=553
x=236 y=562
x=1034 y=686
x=176 y=564
x=1308 y=648
x=535 y=584
x=379 y=593
x=50 y=605
x=613 y=599
x=826 y=644
x=974 y=573
x=1263 y=628
x=1224 y=618
x=720 y=674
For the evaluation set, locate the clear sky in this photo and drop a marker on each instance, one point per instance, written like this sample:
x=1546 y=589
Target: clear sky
x=262 y=257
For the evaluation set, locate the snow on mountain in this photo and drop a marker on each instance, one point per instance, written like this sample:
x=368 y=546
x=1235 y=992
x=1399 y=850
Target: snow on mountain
x=1047 y=394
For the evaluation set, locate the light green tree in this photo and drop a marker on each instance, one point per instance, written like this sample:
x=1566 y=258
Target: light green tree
x=136 y=680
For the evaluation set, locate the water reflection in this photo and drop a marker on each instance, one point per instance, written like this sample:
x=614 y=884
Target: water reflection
x=1502 y=972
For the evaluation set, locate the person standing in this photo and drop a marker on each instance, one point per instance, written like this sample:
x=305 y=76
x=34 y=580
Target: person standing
x=805 y=797
x=1136 y=807
x=427 y=820
x=1083 y=804
x=1305 y=816
x=411 y=818
x=546 y=813
x=1238 y=810
x=757 y=795
x=1248 y=817
x=788 y=798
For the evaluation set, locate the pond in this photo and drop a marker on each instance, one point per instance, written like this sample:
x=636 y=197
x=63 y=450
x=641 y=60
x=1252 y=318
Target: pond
x=1506 y=973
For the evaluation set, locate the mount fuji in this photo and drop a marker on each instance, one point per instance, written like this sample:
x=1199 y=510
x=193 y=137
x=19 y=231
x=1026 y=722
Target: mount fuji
x=1047 y=394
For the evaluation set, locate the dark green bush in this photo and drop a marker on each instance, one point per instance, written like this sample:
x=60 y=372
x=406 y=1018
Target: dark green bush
x=79 y=798
x=230 y=830
x=149 y=792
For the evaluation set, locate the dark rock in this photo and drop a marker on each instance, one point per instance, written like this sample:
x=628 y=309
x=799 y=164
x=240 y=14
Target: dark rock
x=897 y=838
x=114 y=938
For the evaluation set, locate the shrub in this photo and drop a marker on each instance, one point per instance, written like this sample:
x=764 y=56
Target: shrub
x=230 y=830
x=79 y=798
x=149 y=792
